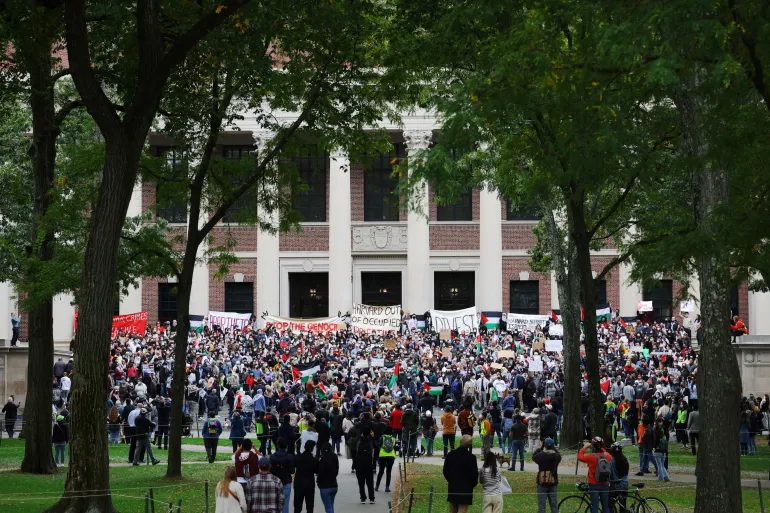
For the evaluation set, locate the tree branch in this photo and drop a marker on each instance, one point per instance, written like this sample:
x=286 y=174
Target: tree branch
x=64 y=112
x=637 y=245
x=616 y=205
x=60 y=74
x=170 y=262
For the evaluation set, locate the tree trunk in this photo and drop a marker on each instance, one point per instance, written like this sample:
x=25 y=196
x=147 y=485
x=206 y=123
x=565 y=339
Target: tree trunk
x=567 y=286
x=718 y=378
x=38 y=454
x=89 y=451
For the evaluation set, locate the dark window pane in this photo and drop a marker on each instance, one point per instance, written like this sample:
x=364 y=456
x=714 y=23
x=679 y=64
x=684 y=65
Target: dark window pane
x=462 y=210
x=312 y=168
x=601 y=292
x=308 y=295
x=167 y=302
x=735 y=308
x=381 y=289
x=239 y=297
x=454 y=290
x=525 y=297
x=381 y=203
x=116 y=307
x=244 y=207
x=174 y=209
x=661 y=295
x=521 y=213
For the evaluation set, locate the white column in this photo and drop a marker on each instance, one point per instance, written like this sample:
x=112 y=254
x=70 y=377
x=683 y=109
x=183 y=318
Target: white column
x=340 y=244
x=132 y=302
x=63 y=317
x=490 y=275
x=268 y=260
x=7 y=307
x=759 y=307
x=419 y=290
x=630 y=293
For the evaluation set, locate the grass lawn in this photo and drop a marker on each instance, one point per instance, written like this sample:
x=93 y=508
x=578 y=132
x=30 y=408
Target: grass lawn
x=679 y=497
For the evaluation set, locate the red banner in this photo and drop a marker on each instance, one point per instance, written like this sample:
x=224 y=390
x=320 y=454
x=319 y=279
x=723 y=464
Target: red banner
x=128 y=324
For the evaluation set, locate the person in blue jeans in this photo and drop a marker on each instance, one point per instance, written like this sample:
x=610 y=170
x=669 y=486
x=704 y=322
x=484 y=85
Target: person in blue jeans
x=328 y=469
x=59 y=437
x=518 y=435
x=282 y=466
x=506 y=428
x=598 y=481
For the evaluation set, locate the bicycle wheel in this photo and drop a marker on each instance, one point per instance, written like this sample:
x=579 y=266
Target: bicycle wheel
x=574 y=504
x=651 y=505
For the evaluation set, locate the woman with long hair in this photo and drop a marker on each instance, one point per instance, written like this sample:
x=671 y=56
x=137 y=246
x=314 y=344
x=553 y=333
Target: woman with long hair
x=230 y=496
x=328 y=469
x=491 y=480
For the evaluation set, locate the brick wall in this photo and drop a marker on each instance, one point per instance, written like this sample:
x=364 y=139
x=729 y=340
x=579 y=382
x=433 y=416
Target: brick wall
x=512 y=266
x=612 y=278
x=245 y=236
x=454 y=237
x=247 y=267
x=23 y=326
x=356 y=192
x=433 y=206
x=518 y=236
x=148 y=195
x=150 y=297
x=312 y=237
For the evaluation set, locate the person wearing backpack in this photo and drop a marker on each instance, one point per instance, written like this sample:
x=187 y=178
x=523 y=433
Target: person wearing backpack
x=547 y=459
x=387 y=457
x=466 y=420
x=661 y=448
x=212 y=428
x=485 y=430
x=599 y=469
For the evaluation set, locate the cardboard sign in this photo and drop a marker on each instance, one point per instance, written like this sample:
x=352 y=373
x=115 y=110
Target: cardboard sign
x=523 y=322
x=538 y=346
x=630 y=328
x=497 y=366
x=445 y=335
x=321 y=325
x=554 y=345
x=463 y=321
x=446 y=353
x=361 y=364
x=368 y=319
x=506 y=354
x=390 y=344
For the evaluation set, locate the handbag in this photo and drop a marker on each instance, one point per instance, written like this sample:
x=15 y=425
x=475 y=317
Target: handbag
x=505 y=486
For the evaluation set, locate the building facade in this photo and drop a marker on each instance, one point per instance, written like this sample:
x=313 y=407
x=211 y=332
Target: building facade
x=358 y=244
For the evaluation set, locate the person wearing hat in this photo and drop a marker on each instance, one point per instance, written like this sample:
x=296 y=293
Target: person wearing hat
x=264 y=492
x=598 y=480
x=142 y=430
x=59 y=437
x=547 y=459
x=211 y=430
x=462 y=475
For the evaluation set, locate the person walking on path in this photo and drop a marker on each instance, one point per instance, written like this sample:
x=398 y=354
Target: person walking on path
x=410 y=422
x=518 y=437
x=491 y=479
x=533 y=426
x=429 y=430
x=599 y=464
x=387 y=458
x=462 y=476
x=328 y=470
x=265 y=491
x=282 y=467
x=212 y=428
x=693 y=429
x=11 y=410
x=143 y=428
x=448 y=430
x=466 y=420
x=547 y=459
x=237 y=430
x=246 y=462
x=230 y=495
x=661 y=449
x=60 y=437
x=485 y=430
x=363 y=460
x=304 y=481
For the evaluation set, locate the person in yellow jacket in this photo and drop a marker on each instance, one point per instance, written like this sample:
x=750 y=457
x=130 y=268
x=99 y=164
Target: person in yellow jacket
x=485 y=430
x=387 y=457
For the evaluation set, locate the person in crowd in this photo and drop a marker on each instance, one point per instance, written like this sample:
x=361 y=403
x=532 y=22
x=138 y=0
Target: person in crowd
x=164 y=422
x=246 y=461
x=11 y=410
x=738 y=328
x=744 y=432
x=144 y=427
x=306 y=468
x=309 y=434
x=599 y=464
x=265 y=490
x=486 y=433
x=466 y=420
x=660 y=451
x=533 y=428
x=113 y=425
x=328 y=470
x=237 y=431
x=364 y=463
x=211 y=430
x=410 y=422
x=491 y=479
x=547 y=459
x=282 y=466
x=693 y=429
x=386 y=458
x=462 y=475
x=619 y=469
x=518 y=436
x=429 y=430
x=60 y=437
x=448 y=430
x=230 y=497
x=646 y=449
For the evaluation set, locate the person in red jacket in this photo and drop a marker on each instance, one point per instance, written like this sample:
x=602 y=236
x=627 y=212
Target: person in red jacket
x=739 y=329
x=395 y=422
x=599 y=485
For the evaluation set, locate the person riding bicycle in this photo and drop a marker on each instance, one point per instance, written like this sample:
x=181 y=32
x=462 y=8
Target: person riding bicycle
x=599 y=464
x=619 y=476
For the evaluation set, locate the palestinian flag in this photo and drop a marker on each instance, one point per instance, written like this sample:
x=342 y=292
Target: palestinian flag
x=321 y=391
x=623 y=322
x=396 y=371
x=491 y=320
x=304 y=372
x=603 y=313
x=196 y=323
x=605 y=386
x=556 y=315
x=420 y=322
x=434 y=389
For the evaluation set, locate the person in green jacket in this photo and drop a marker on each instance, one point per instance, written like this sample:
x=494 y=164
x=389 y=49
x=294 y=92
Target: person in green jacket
x=681 y=425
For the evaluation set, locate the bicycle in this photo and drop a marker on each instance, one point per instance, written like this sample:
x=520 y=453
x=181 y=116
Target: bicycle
x=635 y=502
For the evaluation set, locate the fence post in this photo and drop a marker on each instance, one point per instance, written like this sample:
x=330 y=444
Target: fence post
x=146 y=503
x=152 y=501
x=170 y=507
x=206 y=486
x=390 y=507
x=577 y=462
x=411 y=499
x=430 y=500
x=179 y=507
x=761 y=502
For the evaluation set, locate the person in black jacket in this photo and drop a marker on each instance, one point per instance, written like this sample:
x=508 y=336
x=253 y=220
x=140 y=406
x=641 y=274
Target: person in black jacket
x=11 y=410
x=144 y=427
x=164 y=415
x=288 y=433
x=547 y=459
x=213 y=401
x=282 y=467
x=128 y=431
x=59 y=437
x=304 y=481
x=462 y=475
x=364 y=464
x=336 y=429
x=548 y=426
x=322 y=428
x=328 y=469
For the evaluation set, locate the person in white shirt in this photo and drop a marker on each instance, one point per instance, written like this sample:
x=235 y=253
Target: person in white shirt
x=141 y=390
x=230 y=495
x=66 y=385
x=309 y=434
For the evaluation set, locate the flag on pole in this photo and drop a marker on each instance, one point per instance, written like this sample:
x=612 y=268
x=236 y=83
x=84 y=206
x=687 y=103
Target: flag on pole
x=396 y=371
x=603 y=312
x=555 y=316
x=623 y=322
x=491 y=319
x=196 y=323
x=321 y=391
x=304 y=372
x=605 y=386
x=434 y=389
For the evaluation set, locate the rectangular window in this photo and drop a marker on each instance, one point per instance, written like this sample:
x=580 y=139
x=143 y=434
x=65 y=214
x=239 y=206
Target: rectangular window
x=462 y=210
x=245 y=207
x=661 y=295
x=167 y=302
x=735 y=308
x=381 y=202
x=381 y=289
x=172 y=208
x=601 y=291
x=239 y=297
x=309 y=295
x=454 y=290
x=521 y=213
x=312 y=168
x=525 y=297
x=116 y=307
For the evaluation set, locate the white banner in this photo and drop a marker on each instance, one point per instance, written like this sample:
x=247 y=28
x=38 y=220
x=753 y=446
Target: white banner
x=644 y=306
x=556 y=330
x=322 y=325
x=688 y=305
x=378 y=362
x=554 y=345
x=375 y=319
x=228 y=319
x=463 y=321
x=523 y=322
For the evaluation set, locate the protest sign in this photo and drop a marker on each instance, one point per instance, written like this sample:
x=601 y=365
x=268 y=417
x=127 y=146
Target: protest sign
x=536 y=364
x=538 y=346
x=506 y=354
x=446 y=353
x=497 y=366
x=135 y=323
x=229 y=320
x=521 y=322
x=556 y=330
x=445 y=334
x=636 y=349
x=390 y=343
x=644 y=306
x=362 y=364
x=321 y=325
x=463 y=321
x=554 y=345
x=688 y=305
x=368 y=319
x=378 y=362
